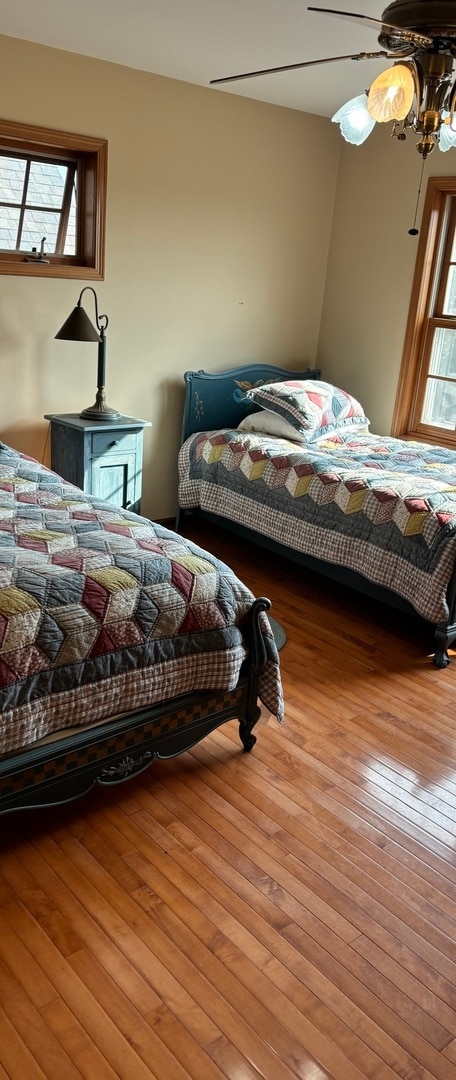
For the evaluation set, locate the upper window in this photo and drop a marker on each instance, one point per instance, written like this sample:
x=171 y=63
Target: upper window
x=52 y=202
x=426 y=399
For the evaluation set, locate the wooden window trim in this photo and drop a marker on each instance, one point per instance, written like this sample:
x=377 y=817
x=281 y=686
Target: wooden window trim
x=413 y=371
x=91 y=157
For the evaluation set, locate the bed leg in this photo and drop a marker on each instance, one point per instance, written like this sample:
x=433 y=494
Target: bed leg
x=441 y=658
x=246 y=726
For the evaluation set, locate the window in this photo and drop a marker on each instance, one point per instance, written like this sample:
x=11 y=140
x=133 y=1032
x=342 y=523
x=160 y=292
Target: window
x=52 y=202
x=426 y=398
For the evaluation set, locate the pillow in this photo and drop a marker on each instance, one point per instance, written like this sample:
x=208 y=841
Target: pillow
x=312 y=407
x=269 y=423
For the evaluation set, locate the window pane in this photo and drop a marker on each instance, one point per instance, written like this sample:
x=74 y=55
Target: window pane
x=39 y=223
x=9 y=221
x=12 y=172
x=70 y=241
x=440 y=404
x=443 y=356
x=46 y=184
x=449 y=304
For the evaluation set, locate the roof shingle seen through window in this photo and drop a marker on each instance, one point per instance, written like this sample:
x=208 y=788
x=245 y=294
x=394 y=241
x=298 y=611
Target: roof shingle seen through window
x=45 y=188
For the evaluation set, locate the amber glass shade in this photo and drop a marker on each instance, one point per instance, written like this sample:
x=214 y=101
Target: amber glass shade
x=391 y=94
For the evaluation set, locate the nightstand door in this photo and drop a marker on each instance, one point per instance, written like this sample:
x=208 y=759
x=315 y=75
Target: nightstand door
x=114 y=479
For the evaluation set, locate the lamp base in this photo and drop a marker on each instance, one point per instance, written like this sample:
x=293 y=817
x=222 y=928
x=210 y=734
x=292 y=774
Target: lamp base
x=95 y=414
x=100 y=410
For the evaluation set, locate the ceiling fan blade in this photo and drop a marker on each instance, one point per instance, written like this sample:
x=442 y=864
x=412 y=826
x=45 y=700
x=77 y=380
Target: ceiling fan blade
x=421 y=40
x=294 y=67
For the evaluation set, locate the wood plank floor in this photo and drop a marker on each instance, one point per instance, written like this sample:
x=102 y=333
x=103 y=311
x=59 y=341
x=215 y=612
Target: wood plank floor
x=285 y=913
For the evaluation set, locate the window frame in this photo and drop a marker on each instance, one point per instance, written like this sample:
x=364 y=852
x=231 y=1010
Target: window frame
x=90 y=155
x=428 y=288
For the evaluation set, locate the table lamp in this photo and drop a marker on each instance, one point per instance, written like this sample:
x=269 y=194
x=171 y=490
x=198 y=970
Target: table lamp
x=78 y=327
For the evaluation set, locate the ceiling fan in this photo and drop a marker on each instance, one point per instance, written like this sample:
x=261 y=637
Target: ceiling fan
x=416 y=92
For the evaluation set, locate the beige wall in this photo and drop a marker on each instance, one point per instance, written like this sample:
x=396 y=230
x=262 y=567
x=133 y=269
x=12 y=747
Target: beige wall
x=371 y=266
x=218 y=228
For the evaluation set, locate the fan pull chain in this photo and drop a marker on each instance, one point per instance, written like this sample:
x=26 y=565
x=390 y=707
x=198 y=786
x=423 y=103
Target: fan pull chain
x=414 y=231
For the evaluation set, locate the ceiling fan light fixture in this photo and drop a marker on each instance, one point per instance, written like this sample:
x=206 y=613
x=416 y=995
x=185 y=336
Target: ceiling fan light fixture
x=391 y=94
x=416 y=92
x=354 y=120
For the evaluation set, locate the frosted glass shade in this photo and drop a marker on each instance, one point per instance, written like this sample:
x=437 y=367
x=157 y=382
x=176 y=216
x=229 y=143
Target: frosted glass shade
x=447 y=134
x=391 y=94
x=355 y=122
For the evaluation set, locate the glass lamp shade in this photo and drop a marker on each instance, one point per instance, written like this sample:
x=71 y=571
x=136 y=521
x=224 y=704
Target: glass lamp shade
x=355 y=122
x=447 y=134
x=391 y=94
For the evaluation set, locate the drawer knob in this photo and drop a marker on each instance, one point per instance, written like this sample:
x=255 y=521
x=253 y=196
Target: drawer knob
x=115 y=442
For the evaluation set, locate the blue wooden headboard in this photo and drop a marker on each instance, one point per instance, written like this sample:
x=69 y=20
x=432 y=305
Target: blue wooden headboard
x=210 y=403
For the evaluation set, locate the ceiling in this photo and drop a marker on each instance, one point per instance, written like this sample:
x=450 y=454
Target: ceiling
x=199 y=40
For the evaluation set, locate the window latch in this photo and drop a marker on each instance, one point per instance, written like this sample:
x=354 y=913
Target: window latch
x=38 y=256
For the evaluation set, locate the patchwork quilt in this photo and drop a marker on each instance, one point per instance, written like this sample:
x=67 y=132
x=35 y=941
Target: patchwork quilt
x=103 y=612
x=383 y=507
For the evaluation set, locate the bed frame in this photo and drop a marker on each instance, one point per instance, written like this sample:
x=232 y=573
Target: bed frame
x=58 y=771
x=215 y=400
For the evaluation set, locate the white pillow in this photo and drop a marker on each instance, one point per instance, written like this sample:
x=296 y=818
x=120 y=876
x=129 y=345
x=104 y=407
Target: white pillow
x=270 y=423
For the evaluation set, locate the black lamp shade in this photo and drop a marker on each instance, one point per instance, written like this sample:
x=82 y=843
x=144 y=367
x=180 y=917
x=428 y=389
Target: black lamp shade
x=78 y=327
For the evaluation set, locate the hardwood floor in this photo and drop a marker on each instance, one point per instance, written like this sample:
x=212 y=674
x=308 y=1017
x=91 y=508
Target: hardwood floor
x=285 y=913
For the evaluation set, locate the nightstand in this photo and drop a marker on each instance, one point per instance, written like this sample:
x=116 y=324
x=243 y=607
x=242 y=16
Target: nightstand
x=104 y=458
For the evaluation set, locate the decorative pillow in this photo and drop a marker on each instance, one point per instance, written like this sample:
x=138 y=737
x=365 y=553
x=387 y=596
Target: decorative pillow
x=269 y=423
x=341 y=435
x=312 y=407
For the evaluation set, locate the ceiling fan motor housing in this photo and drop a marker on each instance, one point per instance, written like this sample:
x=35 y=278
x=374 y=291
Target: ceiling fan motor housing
x=436 y=18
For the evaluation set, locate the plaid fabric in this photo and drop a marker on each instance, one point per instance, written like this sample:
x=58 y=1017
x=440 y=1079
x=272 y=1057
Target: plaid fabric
x=104 y=612
x=383 y=507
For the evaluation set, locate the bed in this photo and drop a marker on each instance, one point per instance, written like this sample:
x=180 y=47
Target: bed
x=290 y=462
x=120 y=642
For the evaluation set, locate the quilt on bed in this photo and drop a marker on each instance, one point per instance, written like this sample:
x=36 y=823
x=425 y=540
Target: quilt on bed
x=103 y=612
x=383 y=507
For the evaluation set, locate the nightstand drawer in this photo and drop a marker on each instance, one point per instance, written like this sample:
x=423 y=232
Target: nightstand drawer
x=107 y=442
